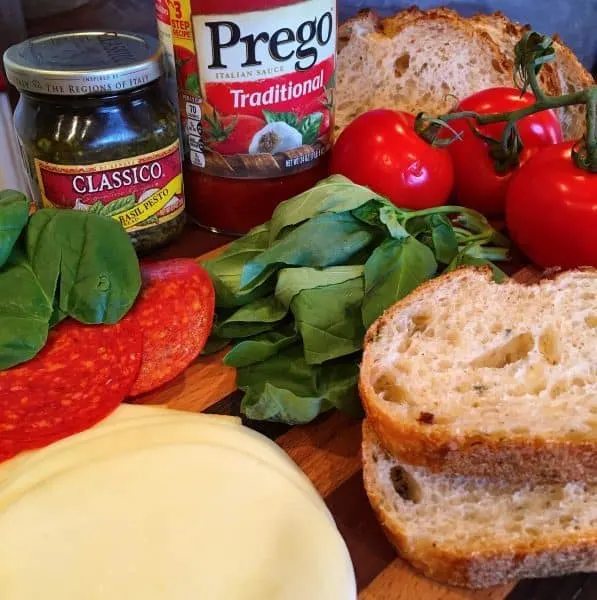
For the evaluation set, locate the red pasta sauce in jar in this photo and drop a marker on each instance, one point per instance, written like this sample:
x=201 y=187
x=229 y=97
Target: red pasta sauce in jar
x=256 y=84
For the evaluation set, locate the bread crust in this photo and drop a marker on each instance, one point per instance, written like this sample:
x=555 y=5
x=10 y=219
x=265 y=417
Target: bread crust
x=514 y=457
x=497 y=565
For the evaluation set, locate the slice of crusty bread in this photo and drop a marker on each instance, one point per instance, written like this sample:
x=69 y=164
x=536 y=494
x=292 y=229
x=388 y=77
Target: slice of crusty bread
x=427 y=60
x=422 y=62
x=564 y=76
x=470 y=377
x=477 y=532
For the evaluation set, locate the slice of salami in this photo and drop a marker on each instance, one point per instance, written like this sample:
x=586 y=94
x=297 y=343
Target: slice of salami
x=80 y=376
x=175 y=312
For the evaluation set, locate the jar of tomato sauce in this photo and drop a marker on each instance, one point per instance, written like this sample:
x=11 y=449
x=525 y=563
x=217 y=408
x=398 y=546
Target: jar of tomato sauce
x=256 y=95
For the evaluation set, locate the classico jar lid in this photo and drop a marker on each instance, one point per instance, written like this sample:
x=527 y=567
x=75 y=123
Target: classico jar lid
x=84 y=63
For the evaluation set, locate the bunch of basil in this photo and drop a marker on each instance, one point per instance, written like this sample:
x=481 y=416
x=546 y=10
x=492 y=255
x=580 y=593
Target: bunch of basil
x=296 y=294
x=57 y=264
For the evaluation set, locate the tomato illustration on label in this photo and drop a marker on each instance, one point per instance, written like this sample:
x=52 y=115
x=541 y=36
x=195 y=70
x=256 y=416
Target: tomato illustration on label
x=231 y=134
x=257 y=85
x=187 y=74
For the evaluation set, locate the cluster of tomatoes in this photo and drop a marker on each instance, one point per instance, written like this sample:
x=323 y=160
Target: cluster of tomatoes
x=549 y=204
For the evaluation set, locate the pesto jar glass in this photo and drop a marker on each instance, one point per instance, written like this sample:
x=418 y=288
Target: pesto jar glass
x=98 y=132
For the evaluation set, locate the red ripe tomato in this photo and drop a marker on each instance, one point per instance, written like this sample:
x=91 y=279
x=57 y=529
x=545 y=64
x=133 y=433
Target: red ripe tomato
x=231 y=134
x=477 y=184
x=381 y=150
x=551 y=210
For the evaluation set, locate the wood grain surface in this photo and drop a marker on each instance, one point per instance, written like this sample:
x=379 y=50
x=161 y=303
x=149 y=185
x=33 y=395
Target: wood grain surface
x=328 y=451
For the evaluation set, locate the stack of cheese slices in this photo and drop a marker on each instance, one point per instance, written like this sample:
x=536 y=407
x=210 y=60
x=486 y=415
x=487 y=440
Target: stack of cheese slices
x=480 y=443
x=164 y=505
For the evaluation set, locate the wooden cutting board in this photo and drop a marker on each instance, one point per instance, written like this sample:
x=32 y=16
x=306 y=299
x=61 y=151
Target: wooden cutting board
x=328 y=451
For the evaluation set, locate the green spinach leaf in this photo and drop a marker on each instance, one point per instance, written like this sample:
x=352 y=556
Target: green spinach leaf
x=14 y=214
x=25 y=311
x=293 y=281
x=323 y=241
x=329 y=320
x=225 y=270
x=253 y=318
x=282 y=388
x=395 y=268
x=443 y=239
x=336 y=194
x=88 y=260
x=464 y=259
x=338 y=384
x=261 y=347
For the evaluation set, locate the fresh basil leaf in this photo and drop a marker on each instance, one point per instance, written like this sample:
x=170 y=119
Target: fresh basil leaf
x=388 y=215
x=261 y=347
x=329 y=320
x=443 y=239
x=293 y=281
x=98 y=271
x=45 y=263
x=338 y=384
x=253 y=318
x=225 y=270
x=336 y=194
x=463 y=259
x=25 y=311
x=281 y=405
x=282 y=388
x=323 y=241
x=96 y=208
x=14 y=214
x=285 y=388
x=395 y=268
x=285 y=117
x=309 y=127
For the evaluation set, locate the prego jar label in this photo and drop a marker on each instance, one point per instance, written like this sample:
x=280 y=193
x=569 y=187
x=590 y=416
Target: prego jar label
x=140 y=192
x=257 y=86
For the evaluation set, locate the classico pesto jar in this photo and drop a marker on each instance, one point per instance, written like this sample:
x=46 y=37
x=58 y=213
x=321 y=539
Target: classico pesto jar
x=97 y=131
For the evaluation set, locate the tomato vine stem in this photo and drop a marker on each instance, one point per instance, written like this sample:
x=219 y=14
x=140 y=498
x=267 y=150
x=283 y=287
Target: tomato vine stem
x=532 y=51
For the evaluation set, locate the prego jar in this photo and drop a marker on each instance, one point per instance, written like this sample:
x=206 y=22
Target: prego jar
x=256 y=95
x=97 y=131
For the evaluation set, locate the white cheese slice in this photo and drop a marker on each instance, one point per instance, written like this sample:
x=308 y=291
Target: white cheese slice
x=126 y=415
x=172 y=522
x=120 y=435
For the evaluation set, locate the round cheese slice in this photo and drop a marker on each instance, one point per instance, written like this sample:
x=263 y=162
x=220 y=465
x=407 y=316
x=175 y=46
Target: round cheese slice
x=132 y=434
x=172 y=523
x=125 y=416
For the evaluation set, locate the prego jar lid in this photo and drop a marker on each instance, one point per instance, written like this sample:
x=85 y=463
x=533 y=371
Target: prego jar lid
x=84 y=63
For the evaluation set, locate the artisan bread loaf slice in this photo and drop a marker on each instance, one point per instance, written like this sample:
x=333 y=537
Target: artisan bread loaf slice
x=564 y=75
x=471 y=377
x=417 y=61
x=477 y=532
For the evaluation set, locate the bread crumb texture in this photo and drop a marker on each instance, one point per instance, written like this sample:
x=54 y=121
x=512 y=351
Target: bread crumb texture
x=484 y=358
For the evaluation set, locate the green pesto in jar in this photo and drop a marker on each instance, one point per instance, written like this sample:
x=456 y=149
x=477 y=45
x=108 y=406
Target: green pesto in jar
x=97 y=131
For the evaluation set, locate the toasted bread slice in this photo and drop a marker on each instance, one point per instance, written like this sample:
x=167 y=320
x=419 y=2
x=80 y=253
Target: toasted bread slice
x=477 y=532
x=470 y=377
x=417 y=61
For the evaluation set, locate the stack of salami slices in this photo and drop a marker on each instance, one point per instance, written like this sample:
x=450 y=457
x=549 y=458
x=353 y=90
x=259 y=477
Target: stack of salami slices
x=85 y=371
